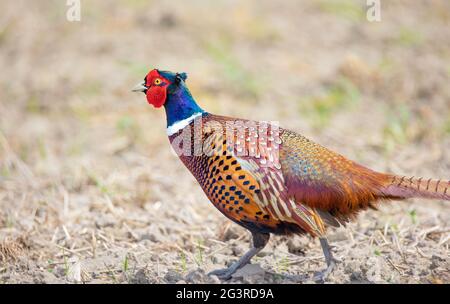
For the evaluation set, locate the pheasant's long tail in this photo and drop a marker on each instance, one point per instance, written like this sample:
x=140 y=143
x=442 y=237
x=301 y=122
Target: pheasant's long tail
x=400 y=187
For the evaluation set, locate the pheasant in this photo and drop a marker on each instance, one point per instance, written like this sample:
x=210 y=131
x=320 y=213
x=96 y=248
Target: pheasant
x=268 y=179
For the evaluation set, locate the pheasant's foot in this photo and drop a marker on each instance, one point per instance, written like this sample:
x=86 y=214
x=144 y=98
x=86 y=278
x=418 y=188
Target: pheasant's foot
x=319 y=277
x=223 y=274
x=323 y=275
x=259 y=241
x=329 y=258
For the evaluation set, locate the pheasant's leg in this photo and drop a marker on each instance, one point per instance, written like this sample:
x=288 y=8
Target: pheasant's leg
x=331 y=261
x=259 y=242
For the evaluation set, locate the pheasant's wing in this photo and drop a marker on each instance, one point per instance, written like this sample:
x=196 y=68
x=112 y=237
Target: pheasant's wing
x=273 y=198
x=324 y=180
x=248 y=171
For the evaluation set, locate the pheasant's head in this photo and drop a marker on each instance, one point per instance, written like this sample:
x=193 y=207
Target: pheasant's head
x=168 y=89
x=158 y=84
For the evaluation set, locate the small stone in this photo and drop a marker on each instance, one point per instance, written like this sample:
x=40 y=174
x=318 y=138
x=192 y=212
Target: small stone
x=173 y=276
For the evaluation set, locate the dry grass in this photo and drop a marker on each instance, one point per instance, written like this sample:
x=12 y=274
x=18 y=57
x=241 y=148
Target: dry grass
x=11 y=249
x=87 y=176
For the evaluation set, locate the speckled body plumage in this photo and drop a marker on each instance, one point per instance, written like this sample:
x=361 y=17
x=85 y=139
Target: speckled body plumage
x=309 y=188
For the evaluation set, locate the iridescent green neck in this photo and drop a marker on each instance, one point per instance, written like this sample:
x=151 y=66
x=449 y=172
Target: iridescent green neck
x=180 y=105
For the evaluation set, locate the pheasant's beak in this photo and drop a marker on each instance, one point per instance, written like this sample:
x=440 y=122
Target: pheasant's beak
x=140 y=87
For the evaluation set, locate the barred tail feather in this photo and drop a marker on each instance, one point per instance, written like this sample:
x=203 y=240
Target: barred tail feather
x=400 y=187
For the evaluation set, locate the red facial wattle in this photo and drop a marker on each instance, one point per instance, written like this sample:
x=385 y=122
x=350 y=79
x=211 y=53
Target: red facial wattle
x=156 y=95
x=157 y=88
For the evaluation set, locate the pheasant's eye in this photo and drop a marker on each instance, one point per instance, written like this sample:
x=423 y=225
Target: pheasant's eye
x=157 y=81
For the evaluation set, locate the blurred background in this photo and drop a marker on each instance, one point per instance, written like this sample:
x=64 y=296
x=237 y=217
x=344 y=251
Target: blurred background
x=89 y=188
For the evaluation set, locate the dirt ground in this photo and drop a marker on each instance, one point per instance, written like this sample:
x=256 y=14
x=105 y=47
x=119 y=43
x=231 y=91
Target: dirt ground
x=91 y=192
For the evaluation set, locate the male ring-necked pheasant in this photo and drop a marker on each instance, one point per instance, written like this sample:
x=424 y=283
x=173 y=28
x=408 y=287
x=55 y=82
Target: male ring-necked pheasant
x=268 y=179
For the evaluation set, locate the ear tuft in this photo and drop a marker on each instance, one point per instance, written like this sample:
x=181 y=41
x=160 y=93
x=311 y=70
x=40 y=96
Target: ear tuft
x=182 y=76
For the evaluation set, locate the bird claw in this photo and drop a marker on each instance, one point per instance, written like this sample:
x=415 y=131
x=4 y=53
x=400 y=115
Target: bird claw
x=319 y=277
x=323 y=275
x=222 y=274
